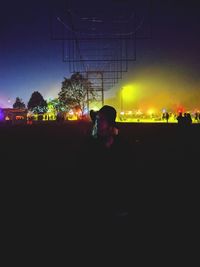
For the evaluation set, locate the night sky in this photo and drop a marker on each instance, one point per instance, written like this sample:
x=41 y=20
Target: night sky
x=167 y=64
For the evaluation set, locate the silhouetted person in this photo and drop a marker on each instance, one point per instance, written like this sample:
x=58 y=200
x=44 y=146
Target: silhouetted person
x=167 y=116
x=188 y=119
x=104 y=128
x=60 y=117
x=197 y=116
x=106 y=153
x=180 y=119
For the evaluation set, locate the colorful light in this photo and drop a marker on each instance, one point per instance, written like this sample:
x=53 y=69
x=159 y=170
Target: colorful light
x=1 y=115
x=180 y=110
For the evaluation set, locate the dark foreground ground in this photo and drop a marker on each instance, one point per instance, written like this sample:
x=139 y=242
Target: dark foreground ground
x=48 y=193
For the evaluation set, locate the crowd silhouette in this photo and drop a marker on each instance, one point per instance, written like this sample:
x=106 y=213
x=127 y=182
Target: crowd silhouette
x=184 y=120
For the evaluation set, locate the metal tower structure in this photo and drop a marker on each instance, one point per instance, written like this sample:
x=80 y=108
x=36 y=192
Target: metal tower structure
x=99 y=38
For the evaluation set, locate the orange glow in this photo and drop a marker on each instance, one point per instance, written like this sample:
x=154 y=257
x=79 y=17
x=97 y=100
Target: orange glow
x=180 y=110
x=19 y=117
x=162 y=86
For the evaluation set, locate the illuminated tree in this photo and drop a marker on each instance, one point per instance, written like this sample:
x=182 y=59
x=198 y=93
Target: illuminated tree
x=54 y=105
x=73 y=92
x=37 y=104
x=19 y=104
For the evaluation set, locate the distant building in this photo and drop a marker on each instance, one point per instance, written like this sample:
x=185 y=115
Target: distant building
x=13 y=115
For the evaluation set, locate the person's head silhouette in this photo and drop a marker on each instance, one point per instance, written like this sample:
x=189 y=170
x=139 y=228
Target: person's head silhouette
x=104 y=126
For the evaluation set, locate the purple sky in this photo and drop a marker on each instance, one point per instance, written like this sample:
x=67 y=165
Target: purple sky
x=31 y=61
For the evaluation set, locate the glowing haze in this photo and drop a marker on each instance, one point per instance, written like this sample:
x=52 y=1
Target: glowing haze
x=158 y=88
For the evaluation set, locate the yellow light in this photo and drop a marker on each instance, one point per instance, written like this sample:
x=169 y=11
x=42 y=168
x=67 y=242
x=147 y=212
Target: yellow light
x=128 y=92
x=138 y=112
x=95 y=108
x=151 y=111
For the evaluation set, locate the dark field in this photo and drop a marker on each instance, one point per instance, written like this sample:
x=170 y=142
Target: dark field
x=47 y=186
x=50 y=145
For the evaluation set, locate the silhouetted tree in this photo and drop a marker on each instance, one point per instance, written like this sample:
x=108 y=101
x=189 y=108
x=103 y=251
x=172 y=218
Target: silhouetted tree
x=73 y=92
x=19 y=104
x=37 y=104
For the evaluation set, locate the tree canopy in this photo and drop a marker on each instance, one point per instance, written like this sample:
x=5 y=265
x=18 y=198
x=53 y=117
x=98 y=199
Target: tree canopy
x=74 y=92
x=19 y=103
x=54 y=105
x=37 y=104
